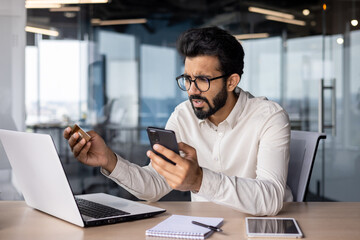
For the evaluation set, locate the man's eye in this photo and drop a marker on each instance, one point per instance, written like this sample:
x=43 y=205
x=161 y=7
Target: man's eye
x=202 y=79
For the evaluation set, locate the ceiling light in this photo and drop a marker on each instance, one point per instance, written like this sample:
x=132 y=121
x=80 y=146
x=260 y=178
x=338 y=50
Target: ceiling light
x=290 y=21
x=66 y=1
x=47 y=5
x=306 y=12
x=354 y=22
x=36 y=3
x=42 y=31
x=251 y=36
x=99 y=22
x=271 y=12
x=65 y=9
x=340 y=40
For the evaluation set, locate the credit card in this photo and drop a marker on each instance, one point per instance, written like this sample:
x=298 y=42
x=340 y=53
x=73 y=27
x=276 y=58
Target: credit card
x=81 y=132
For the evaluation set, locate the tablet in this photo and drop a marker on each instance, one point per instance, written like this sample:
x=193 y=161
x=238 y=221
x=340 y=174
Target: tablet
x=272 y=227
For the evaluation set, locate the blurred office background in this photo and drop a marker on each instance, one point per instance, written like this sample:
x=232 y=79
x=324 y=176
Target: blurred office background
x=111 y=66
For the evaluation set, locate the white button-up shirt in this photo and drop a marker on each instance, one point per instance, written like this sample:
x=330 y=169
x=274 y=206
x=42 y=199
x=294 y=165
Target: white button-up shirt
x=244 y=159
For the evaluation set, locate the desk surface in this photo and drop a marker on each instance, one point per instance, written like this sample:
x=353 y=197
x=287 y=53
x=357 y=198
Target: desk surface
x=318 y=220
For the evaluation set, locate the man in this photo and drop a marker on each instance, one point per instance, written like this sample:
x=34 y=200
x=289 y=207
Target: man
x=235 y=148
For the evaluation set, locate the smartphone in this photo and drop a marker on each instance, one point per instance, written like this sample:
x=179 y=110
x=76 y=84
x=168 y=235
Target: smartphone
x=165 y=138
x=81 y=132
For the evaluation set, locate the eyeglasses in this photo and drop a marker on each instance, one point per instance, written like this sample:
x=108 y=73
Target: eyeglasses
x=202 y=83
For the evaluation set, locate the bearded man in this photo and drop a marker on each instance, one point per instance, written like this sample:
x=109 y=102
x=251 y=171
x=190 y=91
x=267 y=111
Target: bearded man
x=235 y=147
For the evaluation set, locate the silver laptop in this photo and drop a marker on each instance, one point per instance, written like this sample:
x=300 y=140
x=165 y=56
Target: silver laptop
x=44 y=185
x=7 y=123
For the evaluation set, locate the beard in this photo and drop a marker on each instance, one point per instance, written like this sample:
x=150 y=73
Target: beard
x=219 y=101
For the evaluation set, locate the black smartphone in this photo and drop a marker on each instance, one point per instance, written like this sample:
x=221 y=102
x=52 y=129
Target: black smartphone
x=163 y=137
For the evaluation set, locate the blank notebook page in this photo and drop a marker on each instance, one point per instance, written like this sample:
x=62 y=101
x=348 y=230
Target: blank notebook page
x=179 y=226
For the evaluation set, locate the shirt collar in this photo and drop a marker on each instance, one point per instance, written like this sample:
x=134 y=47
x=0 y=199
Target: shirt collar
x=235 y=112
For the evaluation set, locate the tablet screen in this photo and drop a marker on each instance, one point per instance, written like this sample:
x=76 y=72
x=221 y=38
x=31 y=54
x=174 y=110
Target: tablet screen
x=286 y=227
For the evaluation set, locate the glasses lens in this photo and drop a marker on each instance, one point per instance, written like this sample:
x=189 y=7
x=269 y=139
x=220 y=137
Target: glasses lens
x=183 y=83
x=202 y=83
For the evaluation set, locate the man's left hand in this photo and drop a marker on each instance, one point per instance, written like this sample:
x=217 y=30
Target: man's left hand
x=186 y=175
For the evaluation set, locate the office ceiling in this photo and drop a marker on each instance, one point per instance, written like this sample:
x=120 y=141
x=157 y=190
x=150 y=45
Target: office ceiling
x=233 y=15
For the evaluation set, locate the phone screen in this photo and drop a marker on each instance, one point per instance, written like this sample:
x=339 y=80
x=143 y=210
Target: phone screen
x=165 y=138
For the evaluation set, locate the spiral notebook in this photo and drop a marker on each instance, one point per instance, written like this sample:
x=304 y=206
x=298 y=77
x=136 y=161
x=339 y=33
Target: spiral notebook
x=179 y=226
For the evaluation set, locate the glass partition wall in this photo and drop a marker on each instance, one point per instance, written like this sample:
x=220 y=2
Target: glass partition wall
x=119 y=79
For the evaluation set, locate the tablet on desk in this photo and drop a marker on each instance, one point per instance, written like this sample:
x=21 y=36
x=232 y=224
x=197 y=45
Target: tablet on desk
x=272 y=227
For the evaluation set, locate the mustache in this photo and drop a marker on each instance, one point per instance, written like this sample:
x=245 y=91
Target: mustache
x=196 y=96
x=192 y=97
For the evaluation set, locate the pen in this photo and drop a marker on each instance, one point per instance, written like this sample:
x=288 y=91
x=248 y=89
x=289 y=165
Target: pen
x=207 y=226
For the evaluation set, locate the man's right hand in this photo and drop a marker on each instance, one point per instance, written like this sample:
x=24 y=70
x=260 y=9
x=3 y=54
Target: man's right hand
x=93 y=153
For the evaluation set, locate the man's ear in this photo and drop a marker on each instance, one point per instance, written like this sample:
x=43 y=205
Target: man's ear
x=232 y=82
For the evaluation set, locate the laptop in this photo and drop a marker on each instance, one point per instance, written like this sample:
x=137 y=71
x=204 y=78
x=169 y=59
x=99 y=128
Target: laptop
x=7 y=123
x=41 y=178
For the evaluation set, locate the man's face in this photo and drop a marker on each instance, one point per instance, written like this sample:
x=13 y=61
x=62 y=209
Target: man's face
x=206 y=103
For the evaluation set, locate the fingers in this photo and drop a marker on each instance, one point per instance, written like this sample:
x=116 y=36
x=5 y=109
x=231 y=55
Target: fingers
x=159 y=161
x=182 y=177
x=73 y=140
x=76 y=143
x=161 y=165
x=82 y=154
x=169 y=171
x=67 y=133
x=78 y=148
x=185 y=175
x=164 y=167
x=167 y=153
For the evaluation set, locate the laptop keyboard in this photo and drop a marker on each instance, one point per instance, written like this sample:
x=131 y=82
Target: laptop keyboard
x=96 y=210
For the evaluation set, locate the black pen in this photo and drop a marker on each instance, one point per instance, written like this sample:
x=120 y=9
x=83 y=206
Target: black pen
x=207 y=226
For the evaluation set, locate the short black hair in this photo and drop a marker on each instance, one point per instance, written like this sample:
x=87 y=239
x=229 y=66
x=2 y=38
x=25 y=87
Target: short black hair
x=213 y=41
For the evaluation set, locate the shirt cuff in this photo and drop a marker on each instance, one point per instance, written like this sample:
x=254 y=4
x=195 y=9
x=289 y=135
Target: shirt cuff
x=210 y=184
x=120 y=171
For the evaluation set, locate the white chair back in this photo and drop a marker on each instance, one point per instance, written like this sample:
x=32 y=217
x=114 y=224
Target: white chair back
x=303 y=147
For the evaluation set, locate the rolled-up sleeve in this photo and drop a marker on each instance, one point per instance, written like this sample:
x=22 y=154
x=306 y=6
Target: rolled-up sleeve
x=143 y=182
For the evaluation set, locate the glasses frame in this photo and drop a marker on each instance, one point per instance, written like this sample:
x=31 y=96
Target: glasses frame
x=194 y=81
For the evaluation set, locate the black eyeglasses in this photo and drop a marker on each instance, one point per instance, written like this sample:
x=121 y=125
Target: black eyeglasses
x=202 y=83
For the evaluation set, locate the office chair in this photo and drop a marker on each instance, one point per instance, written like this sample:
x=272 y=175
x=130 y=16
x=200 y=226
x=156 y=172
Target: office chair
x=303 y=147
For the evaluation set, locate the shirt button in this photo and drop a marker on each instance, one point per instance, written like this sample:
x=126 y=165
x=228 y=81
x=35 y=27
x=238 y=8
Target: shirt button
x=220 y=134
